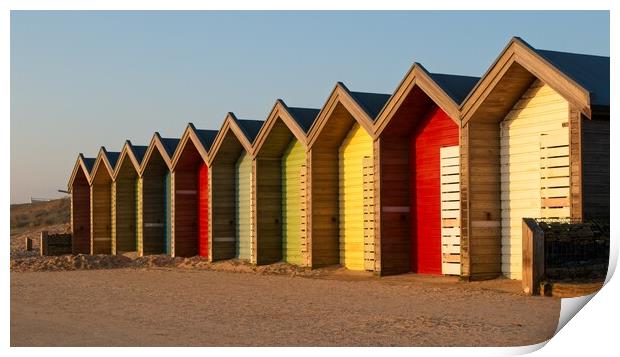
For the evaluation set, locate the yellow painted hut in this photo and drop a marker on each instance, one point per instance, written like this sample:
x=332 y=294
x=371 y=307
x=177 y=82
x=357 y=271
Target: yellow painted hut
x=340 y=161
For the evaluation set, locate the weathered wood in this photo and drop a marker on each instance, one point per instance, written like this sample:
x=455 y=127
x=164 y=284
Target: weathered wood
x=80 y=211
x=54 y=244
x=124 y=207
x=595 y=167
x=151 y=211
x=513 y=71
x=533 y=256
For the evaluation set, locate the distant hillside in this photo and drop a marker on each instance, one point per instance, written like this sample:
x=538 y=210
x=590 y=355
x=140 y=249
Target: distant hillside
x=28 y=216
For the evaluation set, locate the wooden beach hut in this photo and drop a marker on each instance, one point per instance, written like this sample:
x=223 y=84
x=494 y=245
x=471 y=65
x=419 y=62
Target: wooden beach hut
x=101 y=202
x=79 y=188
x=125 y=198
x=418 y=174
x=280 y=185
x=340 y=169
x=190 y=193
x=154 y=213
x=534 y=143
x=230 y=164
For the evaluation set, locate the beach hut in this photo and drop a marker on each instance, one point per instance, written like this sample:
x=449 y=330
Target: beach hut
x=340 y=169
x=230 y=164
x=79 y=188
x=101 y=202
x=280 y=185
x=125 y=198
x=154 y=213
x=534 y=143
x=190 y=193
x=418 y=174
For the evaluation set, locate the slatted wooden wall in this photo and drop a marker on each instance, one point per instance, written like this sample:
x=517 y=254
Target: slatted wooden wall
x=356 y=249
x=203 y=210
x=223 y=203
x=268 y=181
x=184 y=212
x=534 y=153
x=124 y=209
x=243 y=184
x=101 y=214
x=80 y=215
x=138 y=214
x=323 y=188
x=368 y=187
x=595 y=160
x=152 y=207
x=395 y=241
x=450 y=210
x=167 y=192
x=293 y=211
x=304 y=245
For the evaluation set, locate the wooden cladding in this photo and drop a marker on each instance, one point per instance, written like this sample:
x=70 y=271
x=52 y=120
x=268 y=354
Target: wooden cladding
x=184 y=212
x=80 y=214
x=594 y=160
x=534 y=171
x=243 y=206
x=356 y=166
x=151 y=210
x=422 y=185
x=101 y=217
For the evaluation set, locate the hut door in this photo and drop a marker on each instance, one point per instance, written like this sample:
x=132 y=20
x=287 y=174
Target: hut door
x=450 y=210
x=355 y=148
x=243 y=204
x=369 y=214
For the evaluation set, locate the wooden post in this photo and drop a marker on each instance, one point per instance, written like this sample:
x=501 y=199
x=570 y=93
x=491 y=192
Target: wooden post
x=533 y=268
x=43 y=243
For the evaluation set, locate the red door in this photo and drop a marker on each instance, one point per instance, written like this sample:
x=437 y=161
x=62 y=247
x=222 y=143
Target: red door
x=203 y=210
x=434 y=131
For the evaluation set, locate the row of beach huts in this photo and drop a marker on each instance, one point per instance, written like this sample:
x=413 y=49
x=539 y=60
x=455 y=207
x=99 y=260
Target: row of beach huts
x=435 y=178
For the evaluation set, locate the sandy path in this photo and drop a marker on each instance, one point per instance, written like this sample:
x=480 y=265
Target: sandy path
x=172 y=307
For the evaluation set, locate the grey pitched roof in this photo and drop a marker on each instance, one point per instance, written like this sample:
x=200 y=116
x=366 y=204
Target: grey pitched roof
x=250 y=127
x=139 y=151
x=457 y=87
x=170 y=144
x=371 y=102
x=304 y=116
x=207 y=137
x=112 y=157
x=591 y=72
x=89 y=162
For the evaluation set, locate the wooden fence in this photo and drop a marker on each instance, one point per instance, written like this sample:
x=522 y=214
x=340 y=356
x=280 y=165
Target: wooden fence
x=561 y=250
x=55 y=244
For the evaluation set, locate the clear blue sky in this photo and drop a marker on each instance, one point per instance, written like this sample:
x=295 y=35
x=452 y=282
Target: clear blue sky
x=80 y=80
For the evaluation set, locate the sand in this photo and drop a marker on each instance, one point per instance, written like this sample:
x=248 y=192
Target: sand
x=276 y=306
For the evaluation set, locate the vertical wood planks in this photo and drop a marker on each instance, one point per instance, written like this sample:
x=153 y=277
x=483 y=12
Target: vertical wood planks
x=80 y=215
x=101 y=217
